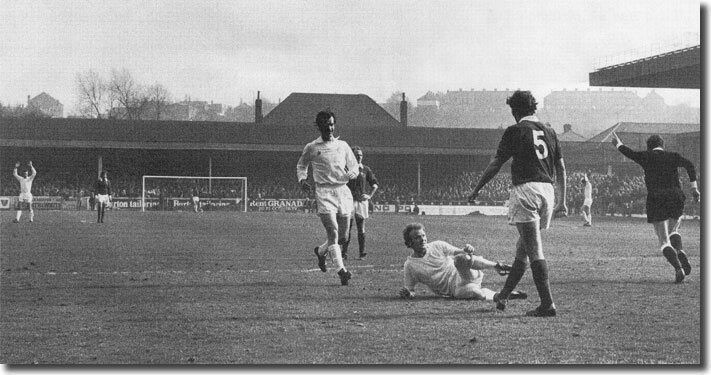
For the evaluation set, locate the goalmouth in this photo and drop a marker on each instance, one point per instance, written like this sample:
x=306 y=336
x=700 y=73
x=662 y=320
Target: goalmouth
x=175 y=193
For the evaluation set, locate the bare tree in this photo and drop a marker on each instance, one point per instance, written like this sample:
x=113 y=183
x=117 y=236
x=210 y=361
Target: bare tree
x=158 y=98
x=92 y=92
x=130 y=97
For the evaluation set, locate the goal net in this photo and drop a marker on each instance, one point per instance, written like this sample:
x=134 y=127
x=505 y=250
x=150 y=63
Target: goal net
x=175 y=193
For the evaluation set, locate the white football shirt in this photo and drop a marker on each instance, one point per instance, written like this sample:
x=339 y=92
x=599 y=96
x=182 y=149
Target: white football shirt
x=25 y=183
x=435 y=269
x=333 y=162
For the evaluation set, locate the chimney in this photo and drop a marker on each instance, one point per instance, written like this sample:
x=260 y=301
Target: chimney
x=28 y=101
x=567 y=128
x=403 y=111
x=258 y=110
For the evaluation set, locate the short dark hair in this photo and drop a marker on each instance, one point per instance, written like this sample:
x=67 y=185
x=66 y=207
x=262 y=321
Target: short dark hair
x=356 y=148
x=522 y=102
x=654 y=141
x=323 y=116
x=409 y=228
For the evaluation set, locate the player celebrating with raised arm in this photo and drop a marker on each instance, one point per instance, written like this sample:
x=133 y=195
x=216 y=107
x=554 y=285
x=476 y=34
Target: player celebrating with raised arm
x=25 y=197
x=333 y=166
x=665 y=199
x=447 y=270
x=361 y=200
x=103 y=195
x=537 y=163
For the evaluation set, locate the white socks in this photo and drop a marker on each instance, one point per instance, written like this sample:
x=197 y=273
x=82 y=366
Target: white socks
x=488 y=294
x=335 y=252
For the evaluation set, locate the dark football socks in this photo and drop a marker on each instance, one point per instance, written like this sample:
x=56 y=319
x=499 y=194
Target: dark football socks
x=675 y=240
x=539 y=269
x=518 y=268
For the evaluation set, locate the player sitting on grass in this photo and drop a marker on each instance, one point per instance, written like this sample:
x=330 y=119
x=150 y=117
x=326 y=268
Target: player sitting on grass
x=446 y=269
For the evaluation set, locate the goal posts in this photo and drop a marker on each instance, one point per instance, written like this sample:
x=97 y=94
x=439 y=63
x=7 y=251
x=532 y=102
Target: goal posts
x=175 y=193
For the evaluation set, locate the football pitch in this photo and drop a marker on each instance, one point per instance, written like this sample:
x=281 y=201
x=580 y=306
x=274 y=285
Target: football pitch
x=177 y=288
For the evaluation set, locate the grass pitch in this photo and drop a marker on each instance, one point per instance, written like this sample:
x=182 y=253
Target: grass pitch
x=244 y=289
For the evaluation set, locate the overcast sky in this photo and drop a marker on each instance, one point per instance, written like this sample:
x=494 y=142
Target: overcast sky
x=226 y=51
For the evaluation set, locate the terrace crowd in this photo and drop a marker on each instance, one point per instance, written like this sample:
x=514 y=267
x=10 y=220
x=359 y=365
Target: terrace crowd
x=612 y=194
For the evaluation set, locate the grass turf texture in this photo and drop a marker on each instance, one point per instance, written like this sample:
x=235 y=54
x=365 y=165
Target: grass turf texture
x=244 y=288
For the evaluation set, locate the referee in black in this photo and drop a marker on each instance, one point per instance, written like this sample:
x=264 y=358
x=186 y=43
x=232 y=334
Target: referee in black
x=665 y=198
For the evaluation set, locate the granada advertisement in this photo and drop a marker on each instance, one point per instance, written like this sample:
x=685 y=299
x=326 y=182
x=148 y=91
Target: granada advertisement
x=282 y=205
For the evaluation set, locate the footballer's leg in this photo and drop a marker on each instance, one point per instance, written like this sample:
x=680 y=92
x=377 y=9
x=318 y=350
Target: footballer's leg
x=346 y=241
x=32 y=212
x=675 y=240
x=518 y=269
x=360 y=224
x=662 y=230
x=530 y=233
x=18 y=215
x=343 y=225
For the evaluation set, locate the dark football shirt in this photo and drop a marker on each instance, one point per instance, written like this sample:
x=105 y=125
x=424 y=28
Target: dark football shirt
x=661 y=168
x=359 y=184
x=103 y=187
x=534 y=148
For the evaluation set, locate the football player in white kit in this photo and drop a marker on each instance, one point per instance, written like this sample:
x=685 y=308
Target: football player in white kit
x=333 y=165
x=25 y=198
x=446 y=269
x=587 y=201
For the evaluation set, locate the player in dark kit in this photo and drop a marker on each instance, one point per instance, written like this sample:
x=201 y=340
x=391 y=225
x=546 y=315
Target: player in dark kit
x=364 y=182
x=665 y=199
x=537 y=164
x=103 y=195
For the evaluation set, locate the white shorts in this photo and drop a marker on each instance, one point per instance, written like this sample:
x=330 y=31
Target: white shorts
x=587 y=202
x=25 y=198
x=102 y=198
x=334 y=199
x=360 y=209
x=465 y=284
x=532 y=201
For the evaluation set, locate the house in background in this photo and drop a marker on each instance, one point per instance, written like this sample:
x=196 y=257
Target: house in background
x=46 y=104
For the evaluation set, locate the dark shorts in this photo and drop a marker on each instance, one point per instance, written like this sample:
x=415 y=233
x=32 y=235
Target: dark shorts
x=665 y=204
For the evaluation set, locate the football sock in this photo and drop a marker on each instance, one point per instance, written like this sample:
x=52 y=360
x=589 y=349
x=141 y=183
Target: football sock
x=19 y=214
x=344 y=245
x=539 y=268
x=488 y=294
x=32 y=215
x=322 y=248
x=335 y=252
x=672 y=257
x=518 y=268
x=675 y=239
x=361 y=242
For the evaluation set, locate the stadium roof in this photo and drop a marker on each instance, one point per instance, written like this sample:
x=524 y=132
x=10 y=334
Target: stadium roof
x=645 y=128
x=193 y=135
x=300 y=109
x=676 y=69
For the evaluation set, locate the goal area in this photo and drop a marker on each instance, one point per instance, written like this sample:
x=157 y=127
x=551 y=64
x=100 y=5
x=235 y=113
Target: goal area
x=175 y=193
